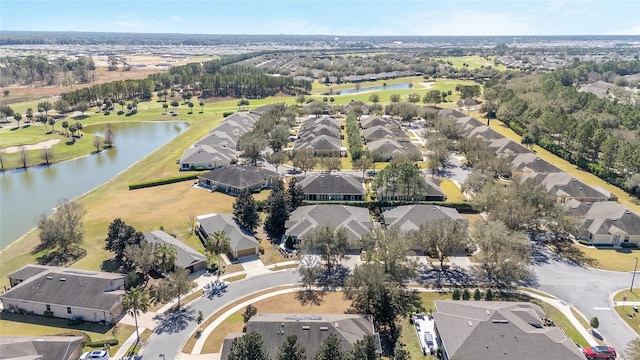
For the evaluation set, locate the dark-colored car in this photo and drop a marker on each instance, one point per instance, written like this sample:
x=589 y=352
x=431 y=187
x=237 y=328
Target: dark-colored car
x=600 y=352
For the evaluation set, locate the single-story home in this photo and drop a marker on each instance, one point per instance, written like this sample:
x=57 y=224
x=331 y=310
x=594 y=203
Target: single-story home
x=507 y=146
x=233 y=179
x=565 y=187
x=425 y=189
x=337 y=187
x=610 y=223
x=65 y=293
x=205 y=157
x=367 y=122
x=530 y=163
x=41 y=347
x=242 y=243
x=481 y=330
x=186 y=257
x=322 y=145
x=304 y=220
x=311 y=331
x=389 y=149
x=410 y=217
x=384 y=132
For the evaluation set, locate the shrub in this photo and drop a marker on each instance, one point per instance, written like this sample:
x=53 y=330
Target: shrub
x=488 y=296
x=456 y=294
x=477 y=295
x=75 y=321
x=466 y=295
x=48 y=314
x=164 y=181
x=227 y=113
x=594 y=322
x=585 y=243
x=249 y=311
x=103 y=343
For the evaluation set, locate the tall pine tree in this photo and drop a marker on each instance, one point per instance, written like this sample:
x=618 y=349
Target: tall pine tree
x=277 y=212
x=291 y=350
x=245 y=211
x=295 y=196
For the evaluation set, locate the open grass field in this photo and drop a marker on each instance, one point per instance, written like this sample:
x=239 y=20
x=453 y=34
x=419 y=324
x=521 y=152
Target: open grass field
x=33 y=325
x=473 y=62
x=611 y=259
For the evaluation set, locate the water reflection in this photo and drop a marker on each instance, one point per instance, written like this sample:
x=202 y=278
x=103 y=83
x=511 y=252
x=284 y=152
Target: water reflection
x=26 y=194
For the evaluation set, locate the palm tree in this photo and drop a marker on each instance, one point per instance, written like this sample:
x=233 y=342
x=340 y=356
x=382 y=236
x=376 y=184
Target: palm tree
x=135 y=301
x=201 y=106
x=164 y=256
x=217 y=244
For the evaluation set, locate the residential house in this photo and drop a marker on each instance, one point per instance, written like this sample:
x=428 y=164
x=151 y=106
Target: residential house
x=565 y=187
x=425 y=190
x=321 y=130
x=205 y=157
x=411 y=217
x=334 y=187
x=389 y=149
x=65 y=293
x=483 y=132
x=232 y=179
x=384 y=132
x=367 y=122
x=186 y=257
x=481 y=330
x=609 y=223
x=241 y=242
x=41 y=347
x=322 y=145
x=304 y=220
x=529 y=163
x=311 y=331
x=506 y=146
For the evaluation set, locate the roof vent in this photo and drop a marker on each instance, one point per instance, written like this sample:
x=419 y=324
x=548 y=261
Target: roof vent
x=470 y=323
x=305 y=328
x=488 y=312
x=49 y=277
x=63 y=279
x=324 y=328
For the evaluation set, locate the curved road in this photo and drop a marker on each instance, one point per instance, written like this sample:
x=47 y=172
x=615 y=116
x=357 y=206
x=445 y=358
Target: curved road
x=174 y=332
x=587 y=289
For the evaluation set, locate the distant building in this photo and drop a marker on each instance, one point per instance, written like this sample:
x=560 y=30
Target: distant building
x=65 y=293
x=311 y=331
x=565 y=187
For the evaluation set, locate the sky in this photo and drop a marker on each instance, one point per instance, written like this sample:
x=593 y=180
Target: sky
x=327 y=17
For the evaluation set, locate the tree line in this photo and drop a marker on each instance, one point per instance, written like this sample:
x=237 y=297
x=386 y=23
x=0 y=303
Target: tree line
x=598 y=135
x=37 y=70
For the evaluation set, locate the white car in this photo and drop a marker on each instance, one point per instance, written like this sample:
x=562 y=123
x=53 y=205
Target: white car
x=95 y=355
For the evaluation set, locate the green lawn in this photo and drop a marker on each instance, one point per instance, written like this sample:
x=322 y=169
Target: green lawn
x=451 y=190
x=473 y=62
x=634 y=321
x=631 y=295
x=33 y=325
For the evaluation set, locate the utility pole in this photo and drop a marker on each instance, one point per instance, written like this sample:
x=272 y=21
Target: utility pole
x=633 y=279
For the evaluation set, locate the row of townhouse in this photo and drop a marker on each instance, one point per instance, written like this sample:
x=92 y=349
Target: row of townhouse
x=603 y=221
x=386 y=137
x=321 y=136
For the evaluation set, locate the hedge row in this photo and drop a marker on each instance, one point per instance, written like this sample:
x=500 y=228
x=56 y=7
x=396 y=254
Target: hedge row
x=103 y=343
x=462 y=207
x=164 y=181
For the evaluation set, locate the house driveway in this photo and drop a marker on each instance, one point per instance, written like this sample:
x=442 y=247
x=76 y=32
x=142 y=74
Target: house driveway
x=253 y=266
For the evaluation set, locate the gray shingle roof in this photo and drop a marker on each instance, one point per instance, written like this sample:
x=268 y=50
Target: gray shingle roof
x=609 y=217
x=507 y=146
x=379 y=132
x=28 y=271
x=389 y=147
x=185 y=255
x=200 y=154
x=530 y=162
x=410 y=217
x=378 y=121
x=323 y=183
x=310 y=132
x=69 y=287
x=238 y=239
x=41 y=347
x=322 y=142
x=480 y=330
x=311 y=330
x=239 y=176
x=562 y=184
x=304 y=220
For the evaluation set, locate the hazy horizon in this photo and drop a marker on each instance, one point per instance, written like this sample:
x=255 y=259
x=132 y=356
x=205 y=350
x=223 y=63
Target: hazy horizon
x=328 y=18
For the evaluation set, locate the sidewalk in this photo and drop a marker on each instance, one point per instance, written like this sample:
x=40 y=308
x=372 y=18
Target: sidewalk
x=125 y=345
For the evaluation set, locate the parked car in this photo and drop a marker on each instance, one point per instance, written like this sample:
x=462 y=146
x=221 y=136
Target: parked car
x=600 y=352
x=131 y=357
x=95 y=355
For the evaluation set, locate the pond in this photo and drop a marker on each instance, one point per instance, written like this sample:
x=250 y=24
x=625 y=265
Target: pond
x=374 y=88
x=26 y=194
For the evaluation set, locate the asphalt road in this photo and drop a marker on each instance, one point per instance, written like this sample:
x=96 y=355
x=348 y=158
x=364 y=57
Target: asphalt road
x=175 y=329
x=588 y=290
